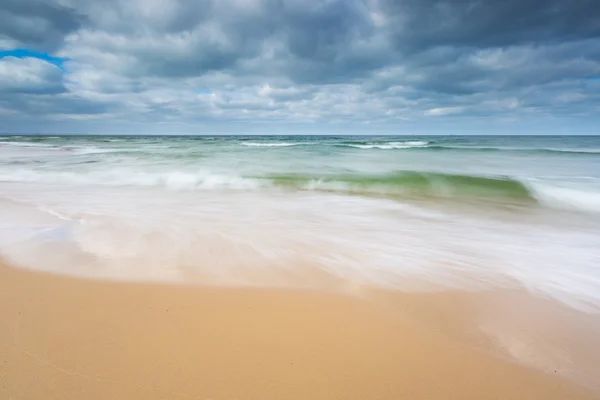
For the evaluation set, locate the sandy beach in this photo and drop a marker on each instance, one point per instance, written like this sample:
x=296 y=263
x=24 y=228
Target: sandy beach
x=65 y=338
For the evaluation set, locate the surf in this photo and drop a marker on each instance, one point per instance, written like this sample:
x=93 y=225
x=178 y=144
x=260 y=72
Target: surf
x=411 y=183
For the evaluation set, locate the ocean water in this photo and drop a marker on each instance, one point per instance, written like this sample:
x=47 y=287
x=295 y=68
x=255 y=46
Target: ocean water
x=488 y=214
x=407 y=213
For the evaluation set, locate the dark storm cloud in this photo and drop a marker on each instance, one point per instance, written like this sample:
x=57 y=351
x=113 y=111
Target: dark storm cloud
x=491 y=23
x=309 y=41
x=325 y=42
x=320 y=32
x=460 y=72
x=36 y=24
x=306 y=60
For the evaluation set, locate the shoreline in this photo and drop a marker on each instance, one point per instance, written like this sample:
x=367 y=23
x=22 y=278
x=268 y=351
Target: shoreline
x=70 y=338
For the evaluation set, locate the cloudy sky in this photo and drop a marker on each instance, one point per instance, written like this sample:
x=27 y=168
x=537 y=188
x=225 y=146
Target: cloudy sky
x=300 y=66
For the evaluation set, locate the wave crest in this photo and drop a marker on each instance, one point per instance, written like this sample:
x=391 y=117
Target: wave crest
x=403 y=184
x=387 y=145
x=272 y=144
x=411 y=183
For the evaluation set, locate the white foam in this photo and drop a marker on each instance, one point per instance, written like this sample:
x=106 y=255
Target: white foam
x=573 y=150
x=249 y=237
x=134 y=177
x=273 y=144
x=26 y=144
x=568 y=198
x=98 y=150
x=391 y=145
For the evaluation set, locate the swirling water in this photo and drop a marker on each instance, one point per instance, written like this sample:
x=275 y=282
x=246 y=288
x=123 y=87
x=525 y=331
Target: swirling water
x=472 y=212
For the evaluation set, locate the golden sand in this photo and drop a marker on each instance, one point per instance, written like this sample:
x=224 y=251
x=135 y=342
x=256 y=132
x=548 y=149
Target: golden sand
x=64 y=338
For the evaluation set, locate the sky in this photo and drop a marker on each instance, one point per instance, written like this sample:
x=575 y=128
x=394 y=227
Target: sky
x=300 y=66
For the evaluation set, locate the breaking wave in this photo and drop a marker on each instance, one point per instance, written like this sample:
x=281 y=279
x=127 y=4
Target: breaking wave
x=273 y=144
x=386 y=145
x=402 y=184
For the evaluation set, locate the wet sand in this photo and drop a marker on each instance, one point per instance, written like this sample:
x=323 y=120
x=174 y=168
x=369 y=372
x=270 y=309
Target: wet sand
x=65 y=338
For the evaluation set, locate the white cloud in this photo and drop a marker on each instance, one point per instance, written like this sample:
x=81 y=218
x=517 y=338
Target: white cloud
x=29 y=75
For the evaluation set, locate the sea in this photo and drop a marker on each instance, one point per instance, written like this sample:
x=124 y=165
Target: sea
x=339 y=213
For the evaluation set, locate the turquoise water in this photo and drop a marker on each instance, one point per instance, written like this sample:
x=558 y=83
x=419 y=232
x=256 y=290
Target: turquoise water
x=560 y=172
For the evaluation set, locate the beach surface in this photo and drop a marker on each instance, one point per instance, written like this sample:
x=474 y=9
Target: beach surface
x=67 y=338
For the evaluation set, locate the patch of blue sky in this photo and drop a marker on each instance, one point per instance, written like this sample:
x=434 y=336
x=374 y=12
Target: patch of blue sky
x=23 y=53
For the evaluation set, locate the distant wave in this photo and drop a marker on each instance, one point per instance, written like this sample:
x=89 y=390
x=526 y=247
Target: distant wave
x=425 y=145
x=514 y=149
x=26 y=144
x=359 y=145
x=75 y=149
x=578 y=151
x=364 y=144
x=422 y=145
x=385 y=145
x=98 y=150
x=274 y=144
